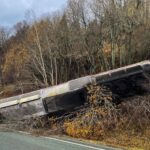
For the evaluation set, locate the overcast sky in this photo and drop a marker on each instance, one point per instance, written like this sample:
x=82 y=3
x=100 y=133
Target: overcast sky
x=13 y=11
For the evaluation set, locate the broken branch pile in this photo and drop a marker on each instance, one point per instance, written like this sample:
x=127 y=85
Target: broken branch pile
x=98 y=117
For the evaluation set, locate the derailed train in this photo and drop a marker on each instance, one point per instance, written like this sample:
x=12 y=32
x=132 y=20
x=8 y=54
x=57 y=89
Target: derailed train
x=64 y=96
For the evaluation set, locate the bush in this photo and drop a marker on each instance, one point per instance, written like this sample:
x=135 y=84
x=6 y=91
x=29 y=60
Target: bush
x=103 y=117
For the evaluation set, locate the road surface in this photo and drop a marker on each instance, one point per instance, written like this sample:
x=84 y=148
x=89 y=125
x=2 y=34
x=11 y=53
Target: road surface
x=19 y=141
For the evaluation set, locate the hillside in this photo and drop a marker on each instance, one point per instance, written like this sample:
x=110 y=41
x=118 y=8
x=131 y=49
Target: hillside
x=84 y=38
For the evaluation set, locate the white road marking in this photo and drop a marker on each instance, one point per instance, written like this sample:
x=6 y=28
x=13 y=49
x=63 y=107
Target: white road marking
x=73 y=143
x=24 y=132
x=65 y=141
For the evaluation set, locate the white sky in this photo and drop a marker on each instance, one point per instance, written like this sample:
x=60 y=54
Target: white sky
x=13 y=11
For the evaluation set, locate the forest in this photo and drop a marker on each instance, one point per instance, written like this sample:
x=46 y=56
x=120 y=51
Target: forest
x=85 y=37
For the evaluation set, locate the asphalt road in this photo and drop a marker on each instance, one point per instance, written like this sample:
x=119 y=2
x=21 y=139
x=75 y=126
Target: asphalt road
x=19 y=141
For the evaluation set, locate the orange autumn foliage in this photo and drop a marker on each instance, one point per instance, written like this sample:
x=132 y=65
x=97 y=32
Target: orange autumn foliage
x=15 y=63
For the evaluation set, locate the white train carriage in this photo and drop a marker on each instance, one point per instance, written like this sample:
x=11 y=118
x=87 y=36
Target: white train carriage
x=64 y=96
